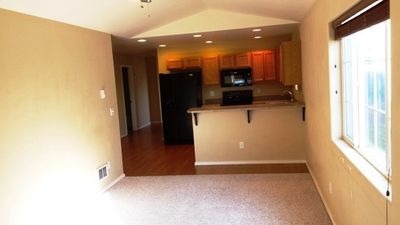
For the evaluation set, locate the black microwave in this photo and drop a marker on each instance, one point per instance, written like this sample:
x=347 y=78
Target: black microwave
x=236 y=77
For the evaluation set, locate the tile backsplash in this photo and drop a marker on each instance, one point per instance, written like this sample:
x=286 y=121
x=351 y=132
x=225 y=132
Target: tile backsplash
x=264 y=88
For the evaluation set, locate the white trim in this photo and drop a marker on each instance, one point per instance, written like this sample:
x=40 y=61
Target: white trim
x=320 y=194
x=113 y=182
x=124 y=135
x=207 y=163
x=143 y=126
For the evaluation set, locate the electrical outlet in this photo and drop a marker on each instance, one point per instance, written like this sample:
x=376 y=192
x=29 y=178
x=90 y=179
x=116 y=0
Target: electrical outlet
x=241 y=145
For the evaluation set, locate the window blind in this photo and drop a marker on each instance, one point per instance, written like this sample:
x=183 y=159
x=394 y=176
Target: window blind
x=349 y=22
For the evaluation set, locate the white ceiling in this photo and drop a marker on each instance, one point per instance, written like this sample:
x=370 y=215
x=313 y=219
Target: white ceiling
x=167 y=18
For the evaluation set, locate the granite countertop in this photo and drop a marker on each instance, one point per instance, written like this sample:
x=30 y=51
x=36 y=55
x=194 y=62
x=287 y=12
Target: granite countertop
x=261 y=104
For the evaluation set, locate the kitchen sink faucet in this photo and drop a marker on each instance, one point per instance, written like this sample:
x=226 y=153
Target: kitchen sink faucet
x=289 y=93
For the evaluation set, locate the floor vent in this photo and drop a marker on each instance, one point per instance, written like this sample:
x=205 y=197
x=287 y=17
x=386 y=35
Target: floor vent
x=103 y=171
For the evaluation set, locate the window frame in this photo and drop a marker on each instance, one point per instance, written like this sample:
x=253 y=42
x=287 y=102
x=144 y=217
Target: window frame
x=355 y=143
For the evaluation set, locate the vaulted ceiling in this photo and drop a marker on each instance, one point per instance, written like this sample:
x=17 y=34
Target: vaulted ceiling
x=171 y=19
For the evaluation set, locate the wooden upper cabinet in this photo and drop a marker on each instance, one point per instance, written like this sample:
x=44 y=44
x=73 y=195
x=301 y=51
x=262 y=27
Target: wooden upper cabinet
x=192 y=62
x=210 y=71
x=290 y=63
x=263 y=65
x=226 y=61
x=174 y=64
x=270 y=65
x=258 y=69
x=243 y=60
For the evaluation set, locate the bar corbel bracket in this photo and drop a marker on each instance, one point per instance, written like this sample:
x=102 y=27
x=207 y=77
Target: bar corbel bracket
x=196 y=120
x=248 y=116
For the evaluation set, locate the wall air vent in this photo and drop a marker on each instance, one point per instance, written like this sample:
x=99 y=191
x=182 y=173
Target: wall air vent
x=103 y=171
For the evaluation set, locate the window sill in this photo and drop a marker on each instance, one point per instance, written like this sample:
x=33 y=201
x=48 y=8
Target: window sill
x=365 y=169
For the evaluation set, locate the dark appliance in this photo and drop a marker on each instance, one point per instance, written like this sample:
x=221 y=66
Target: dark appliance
x=179 y=92
x=243 y=97
x=236 y=77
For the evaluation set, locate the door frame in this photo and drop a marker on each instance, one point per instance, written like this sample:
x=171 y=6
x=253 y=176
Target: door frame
x=131 y=81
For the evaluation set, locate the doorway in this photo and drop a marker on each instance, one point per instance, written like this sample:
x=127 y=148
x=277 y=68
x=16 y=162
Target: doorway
x=127 y=83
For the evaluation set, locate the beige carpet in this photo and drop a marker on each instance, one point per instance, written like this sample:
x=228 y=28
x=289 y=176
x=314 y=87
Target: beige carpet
x=275 y=199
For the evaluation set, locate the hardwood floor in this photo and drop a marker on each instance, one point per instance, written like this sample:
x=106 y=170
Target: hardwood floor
x=144 y=154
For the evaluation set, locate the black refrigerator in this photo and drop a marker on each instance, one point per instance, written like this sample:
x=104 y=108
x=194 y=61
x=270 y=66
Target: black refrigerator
x=179 y=92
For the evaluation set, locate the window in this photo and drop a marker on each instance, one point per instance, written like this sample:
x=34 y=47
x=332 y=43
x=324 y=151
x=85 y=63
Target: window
x=366 y=93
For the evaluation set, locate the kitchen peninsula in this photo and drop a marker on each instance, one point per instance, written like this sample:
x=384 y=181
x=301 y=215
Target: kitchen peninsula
x=262 y=132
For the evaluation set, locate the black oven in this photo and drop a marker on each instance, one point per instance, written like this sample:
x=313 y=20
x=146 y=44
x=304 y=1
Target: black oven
x=243 y=97
x=236 y=77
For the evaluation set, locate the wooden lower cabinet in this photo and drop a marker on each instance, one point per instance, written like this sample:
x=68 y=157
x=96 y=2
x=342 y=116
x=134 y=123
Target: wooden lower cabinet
x=210 y=71
x=263 y=65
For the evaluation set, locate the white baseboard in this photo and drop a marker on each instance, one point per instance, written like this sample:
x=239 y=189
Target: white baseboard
x=320 y=194
x=113 y=182
x=209 y=163
x=143 y=126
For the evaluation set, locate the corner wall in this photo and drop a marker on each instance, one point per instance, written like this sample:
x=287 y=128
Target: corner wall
x=55 y=130
x=350 y=197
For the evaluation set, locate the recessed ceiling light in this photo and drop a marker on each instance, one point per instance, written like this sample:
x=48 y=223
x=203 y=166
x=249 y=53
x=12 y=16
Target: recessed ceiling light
x=257 y=37
x=197 y=35
x=162 y=46
x=257 y=30
x=141 y=40
x=209 y=42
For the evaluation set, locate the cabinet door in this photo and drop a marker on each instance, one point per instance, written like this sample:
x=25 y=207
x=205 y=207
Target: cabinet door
x=270 y=65
x=226 y=61
x=174 y=64
x=192 y=62
x=258 y=69
x=290 y=63
x=210 y=71
x=243 y=60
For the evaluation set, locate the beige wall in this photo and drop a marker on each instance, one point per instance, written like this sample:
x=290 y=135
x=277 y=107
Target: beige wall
x=55 y=130
x=138 y=90
x=274 y=134
x=350 y=197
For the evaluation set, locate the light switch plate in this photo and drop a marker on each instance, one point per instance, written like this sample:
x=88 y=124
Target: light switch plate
x=102 y=94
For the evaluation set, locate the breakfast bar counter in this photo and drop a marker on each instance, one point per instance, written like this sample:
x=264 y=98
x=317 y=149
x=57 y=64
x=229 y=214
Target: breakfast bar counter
x=259 y=133
x=255 y=106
